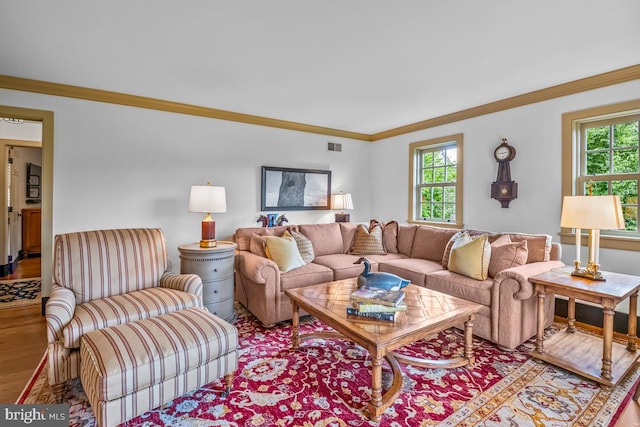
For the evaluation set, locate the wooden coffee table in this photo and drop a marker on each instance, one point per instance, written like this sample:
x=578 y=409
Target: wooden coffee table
x=428 y=312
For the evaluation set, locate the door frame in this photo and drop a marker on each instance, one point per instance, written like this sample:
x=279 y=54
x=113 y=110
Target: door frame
x=46 y=258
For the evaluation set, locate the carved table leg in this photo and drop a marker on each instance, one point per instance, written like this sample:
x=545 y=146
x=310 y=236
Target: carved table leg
x=607 y=335
x=633 y=315
x=571 y=315
x=375 y=405
x=468 y=339
x=540 y=329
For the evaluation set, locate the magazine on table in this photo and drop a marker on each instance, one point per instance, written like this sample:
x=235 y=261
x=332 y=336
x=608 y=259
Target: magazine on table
x=372 y=295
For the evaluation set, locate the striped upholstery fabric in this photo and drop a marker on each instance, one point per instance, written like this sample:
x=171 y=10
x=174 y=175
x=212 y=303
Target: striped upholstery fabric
x=105 y=312
x=104 y=278
x=102 y=263
x=131 y=368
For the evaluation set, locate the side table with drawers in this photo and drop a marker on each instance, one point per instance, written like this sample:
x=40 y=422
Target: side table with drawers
x=215 y=268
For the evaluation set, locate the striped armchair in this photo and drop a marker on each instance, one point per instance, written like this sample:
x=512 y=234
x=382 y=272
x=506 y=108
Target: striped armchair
x=104 y=278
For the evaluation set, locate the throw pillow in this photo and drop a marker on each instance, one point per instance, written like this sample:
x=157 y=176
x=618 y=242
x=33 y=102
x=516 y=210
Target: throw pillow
x=284 y=252
x=256 y=245
x=447 y=249
x=470 y=257
x=368 y=242
x=389 y=235
x=507 y=255
x=304 y=245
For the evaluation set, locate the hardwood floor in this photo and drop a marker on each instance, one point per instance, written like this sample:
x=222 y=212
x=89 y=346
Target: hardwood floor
x=23 y=338
x=23 y=341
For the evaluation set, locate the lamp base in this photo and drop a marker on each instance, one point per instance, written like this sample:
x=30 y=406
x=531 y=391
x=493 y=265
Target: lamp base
x=343 y=217
x=211 y=243
x=592 y=272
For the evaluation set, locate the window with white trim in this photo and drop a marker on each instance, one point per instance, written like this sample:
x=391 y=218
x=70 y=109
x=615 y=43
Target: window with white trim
x=436 y=181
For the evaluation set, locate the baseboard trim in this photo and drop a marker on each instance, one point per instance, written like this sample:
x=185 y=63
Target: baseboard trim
x=591 y=317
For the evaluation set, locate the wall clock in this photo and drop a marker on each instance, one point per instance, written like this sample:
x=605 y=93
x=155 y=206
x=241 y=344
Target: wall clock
x=503 y=188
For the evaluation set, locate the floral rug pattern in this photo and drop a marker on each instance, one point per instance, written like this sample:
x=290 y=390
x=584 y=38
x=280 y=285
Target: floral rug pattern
x=327 y=383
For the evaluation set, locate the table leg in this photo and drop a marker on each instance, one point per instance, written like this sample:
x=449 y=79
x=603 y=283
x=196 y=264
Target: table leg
x=607 y=336
x=375 y=405
x=295 y=325
x=540 y=333
x=468 y=339
x=571 y=315
x=633 y=315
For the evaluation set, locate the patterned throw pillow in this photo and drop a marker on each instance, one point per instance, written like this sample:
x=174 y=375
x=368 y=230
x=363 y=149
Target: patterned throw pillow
x=368 y=242
x=505 y=254
x=304 y=245
x=389 y=235
x=284 y=252
x=470 y=257
x=447 y=249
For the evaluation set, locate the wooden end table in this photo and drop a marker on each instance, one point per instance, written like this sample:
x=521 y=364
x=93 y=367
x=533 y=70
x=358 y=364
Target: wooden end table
x=597 y=358
x=428 y=312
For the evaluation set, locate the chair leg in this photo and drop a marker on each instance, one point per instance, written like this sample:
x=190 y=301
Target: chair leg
x=228 y=381
x=58 y=391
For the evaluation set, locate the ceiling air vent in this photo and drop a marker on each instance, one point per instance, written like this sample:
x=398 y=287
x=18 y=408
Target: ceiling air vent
x=334 y=146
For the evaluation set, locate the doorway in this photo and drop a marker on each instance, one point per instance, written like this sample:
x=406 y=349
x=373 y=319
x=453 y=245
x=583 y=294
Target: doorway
x=45 y=120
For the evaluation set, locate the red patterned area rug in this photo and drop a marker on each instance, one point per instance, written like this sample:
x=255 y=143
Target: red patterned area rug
x=327 y=383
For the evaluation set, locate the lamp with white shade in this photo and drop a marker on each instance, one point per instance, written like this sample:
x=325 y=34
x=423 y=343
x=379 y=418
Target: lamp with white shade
x=594 y=213
x=343 y=202
x=208 y=199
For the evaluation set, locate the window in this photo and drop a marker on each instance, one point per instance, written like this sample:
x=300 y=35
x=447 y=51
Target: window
x=436 y=181
x=603 y=147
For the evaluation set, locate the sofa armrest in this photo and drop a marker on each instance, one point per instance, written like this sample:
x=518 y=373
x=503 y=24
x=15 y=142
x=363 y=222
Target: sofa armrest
x=519 y=276
x=59 y=310
x=190 y=283
x=256 y=268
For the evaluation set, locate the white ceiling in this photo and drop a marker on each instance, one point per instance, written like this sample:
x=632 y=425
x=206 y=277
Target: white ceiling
x=358 y=65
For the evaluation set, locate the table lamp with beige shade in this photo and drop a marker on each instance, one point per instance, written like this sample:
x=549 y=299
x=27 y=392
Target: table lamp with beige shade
x=594 y=213
x=343 y=202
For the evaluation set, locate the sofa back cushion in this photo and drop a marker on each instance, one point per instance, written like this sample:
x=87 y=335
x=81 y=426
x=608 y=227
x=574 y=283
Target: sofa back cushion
x=430 y=242
x=102 y=263
x=348 y=230
x=406 y=234
x=325 y=238
x=243 y=236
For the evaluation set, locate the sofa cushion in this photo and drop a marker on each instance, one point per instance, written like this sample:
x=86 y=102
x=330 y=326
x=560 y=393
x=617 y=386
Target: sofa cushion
x=406 y=234
x=430 y=242
x=304 y=245
x=413 y=269
x=368 y=241
x=505 y=254
x=460 y=286
x=242 y=236
x=343 y=266
x=538 y=245
x=257 y=245
x=325 y=238
x=348 y=230
x=470 y=257
x=124 y=308
x=310 y=274
x=283 y=251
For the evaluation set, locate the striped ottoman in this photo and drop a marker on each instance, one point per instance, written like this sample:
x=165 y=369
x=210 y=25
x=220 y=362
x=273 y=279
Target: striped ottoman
x=131 y=368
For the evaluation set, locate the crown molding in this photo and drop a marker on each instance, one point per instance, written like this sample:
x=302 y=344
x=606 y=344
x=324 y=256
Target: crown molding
x=621 y=75
x=597 y=81
x=98 y=95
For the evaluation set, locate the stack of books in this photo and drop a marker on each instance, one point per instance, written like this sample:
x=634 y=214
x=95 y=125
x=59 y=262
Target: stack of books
x=376 y=303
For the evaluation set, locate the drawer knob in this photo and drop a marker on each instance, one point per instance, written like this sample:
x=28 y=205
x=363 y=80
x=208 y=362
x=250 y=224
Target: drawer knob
x=215 y=270
x=215 y=291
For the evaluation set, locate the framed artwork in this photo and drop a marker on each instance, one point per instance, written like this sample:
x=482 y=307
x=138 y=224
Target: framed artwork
x=295 y=189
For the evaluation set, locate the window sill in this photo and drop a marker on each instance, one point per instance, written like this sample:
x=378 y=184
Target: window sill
x=437 y=224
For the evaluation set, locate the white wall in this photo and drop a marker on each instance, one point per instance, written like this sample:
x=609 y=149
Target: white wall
x=118 y=166
x=535 y=132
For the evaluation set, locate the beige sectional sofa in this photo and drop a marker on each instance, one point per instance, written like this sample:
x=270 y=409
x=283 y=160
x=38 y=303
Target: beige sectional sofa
x=415 y=252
